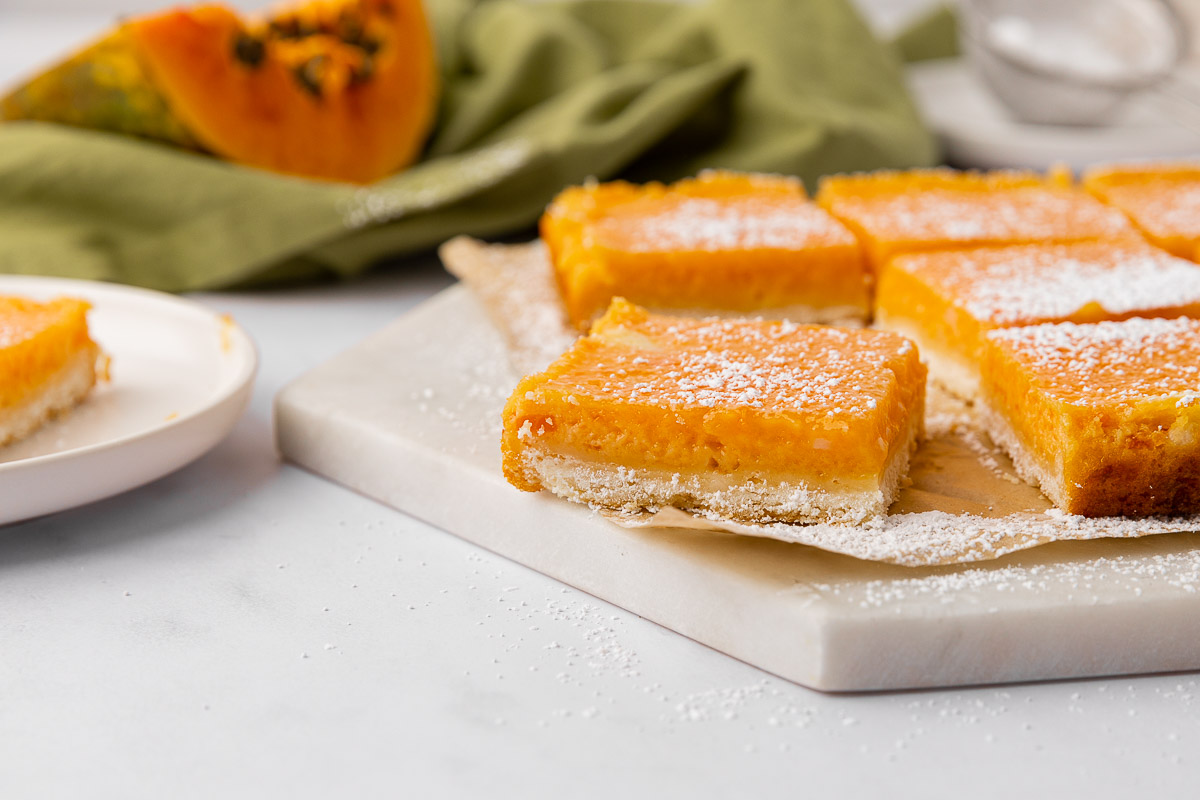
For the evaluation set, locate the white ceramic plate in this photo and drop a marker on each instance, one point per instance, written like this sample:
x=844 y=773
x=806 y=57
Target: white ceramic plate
x=977 y=131
x=181 y=377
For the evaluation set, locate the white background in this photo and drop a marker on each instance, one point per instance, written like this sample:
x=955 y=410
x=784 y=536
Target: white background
x=244 y=629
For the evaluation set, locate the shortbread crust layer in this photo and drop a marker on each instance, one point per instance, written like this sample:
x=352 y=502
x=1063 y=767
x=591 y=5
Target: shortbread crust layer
x=59 y=393
x=750 y=496
x=947 y=368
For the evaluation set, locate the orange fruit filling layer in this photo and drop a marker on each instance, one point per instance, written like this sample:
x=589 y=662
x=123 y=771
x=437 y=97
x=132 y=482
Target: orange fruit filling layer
x=1163 y=200
x=36 y=341
x=720 y=242
x=1111 y=410
x=643 y=390
x=950 y=299
x=940 y=209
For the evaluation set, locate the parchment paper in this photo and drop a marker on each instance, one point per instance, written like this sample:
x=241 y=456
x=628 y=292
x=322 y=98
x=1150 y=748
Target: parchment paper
x=962 y=501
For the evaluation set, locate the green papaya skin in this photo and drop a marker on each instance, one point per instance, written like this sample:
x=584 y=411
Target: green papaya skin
x=102 y=87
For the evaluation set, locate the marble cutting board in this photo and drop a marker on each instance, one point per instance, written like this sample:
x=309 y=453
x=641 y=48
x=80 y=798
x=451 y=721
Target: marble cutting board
x=410 y=417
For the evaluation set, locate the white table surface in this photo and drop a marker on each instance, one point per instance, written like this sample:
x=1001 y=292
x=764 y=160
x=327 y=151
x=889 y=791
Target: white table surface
x=242 y=628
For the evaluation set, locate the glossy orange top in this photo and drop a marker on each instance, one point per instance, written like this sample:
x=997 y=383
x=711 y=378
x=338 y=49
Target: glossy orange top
x=937 y=209
x=694 y=394
x=1163 y=200
x=1108 y=364
x=952 y=296
x=715 y=214
x=720 y=241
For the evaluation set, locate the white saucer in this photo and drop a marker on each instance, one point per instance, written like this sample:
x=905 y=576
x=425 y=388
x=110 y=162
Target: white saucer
x=977 y=131
x=181 y=377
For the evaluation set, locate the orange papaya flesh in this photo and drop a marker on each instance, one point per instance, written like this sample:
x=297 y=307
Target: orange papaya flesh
x=334 y=89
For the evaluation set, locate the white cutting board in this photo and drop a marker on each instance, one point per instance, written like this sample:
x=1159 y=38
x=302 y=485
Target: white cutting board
x=411 y=417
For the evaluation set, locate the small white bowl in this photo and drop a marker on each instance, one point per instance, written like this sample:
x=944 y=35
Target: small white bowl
x=1057 y=62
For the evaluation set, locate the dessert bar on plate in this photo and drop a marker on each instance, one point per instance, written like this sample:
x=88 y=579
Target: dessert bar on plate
x=745 y=419
x=1105 y=417
x=47 y=362
x=947 y=301
x=720 y=242
x=1163 y=200
x=942 y=209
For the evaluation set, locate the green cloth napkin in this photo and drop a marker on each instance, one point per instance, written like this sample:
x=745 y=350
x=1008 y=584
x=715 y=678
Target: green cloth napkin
x=536 y=97
x=931 y=35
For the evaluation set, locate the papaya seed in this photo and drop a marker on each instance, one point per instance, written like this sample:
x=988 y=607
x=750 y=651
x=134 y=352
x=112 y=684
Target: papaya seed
x=285 y=27
x=308 y=74
x=349 y=28
x=363 y=72
x=292 y=28
x=248 y=49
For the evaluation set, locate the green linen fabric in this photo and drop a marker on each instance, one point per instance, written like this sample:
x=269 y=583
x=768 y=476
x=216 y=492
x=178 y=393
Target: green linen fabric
x=932 y=35
x=536 y=96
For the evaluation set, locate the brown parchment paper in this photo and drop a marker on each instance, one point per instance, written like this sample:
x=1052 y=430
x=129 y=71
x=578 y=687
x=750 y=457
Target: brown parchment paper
x=962 y=502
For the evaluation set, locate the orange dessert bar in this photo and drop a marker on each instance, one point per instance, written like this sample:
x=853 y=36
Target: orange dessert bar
x=942 y=209
x=1163 y=200
x=722 y=242
x=745 y=419
x=47 y=362
x=1105 y=417
x=947 y=301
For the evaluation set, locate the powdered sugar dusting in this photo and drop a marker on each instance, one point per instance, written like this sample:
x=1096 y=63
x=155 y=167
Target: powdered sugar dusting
x=1165 y=206
x=1100 y=575
x=929 y=538
x=731 y=223
x=1110 y=362
x=1012 y=285
x=527 y=311
x=22 y=319
x=1172 y=209
x=676 y=363
x=14 y=331
x=945 y=215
